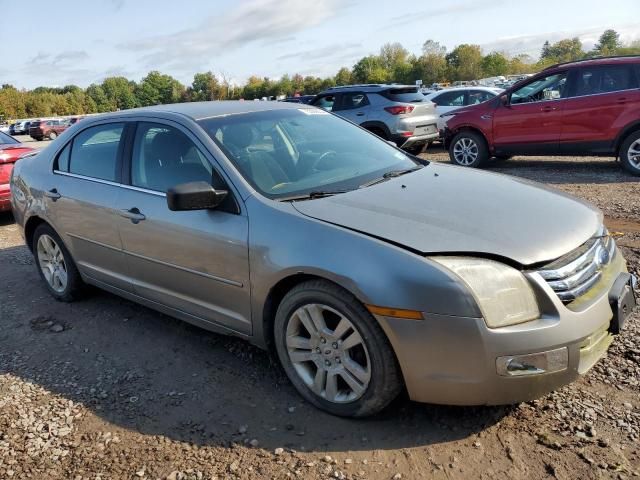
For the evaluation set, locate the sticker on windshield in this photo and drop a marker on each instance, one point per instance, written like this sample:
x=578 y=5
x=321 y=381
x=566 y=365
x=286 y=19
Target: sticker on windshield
x=313 y=111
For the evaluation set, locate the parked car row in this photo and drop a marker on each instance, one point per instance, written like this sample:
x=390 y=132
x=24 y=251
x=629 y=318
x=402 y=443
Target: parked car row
x=10 y=151
x=41 y=129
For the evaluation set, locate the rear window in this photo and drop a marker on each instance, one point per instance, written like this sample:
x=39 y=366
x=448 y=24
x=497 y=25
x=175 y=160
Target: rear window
x=35 y=124
x=7 y=139
x=404 y=95
x=94 y=152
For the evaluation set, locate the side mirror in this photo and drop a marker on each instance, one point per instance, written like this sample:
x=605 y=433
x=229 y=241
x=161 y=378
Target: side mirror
x=194 y=196
x=504 y=100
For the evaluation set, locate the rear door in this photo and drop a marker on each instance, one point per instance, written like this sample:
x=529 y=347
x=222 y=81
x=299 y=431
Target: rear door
x=81 y=199
x=531 y=122
x=604 y=99
x=194 y=262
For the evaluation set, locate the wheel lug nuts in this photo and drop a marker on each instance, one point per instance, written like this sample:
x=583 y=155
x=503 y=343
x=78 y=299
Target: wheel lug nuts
x=338 y=360
x=317 y=350
x=327 y=363
x=334 y=344
x=323 y=340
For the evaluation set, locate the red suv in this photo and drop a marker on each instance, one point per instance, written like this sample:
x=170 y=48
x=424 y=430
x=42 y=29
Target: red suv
x=41 y=129
x=588 y=107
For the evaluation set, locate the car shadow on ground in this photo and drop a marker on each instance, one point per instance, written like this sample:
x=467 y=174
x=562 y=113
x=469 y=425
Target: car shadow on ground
x=141 y=370
x=551 y=170
x=6 y=218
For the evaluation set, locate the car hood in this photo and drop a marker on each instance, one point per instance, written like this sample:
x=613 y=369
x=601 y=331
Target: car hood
x=457 y=210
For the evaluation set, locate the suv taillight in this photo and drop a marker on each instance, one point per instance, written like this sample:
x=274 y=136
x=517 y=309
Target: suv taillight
x=398 y=109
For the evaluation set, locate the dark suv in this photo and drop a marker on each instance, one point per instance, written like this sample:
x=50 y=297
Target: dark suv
x=589 y=107
x=41 y=129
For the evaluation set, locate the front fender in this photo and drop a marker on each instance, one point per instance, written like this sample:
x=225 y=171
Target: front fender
x=284 y=242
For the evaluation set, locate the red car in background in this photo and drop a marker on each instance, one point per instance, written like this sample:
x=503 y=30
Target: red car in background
x=587 y=107
x=41 y=129
x=10 y=151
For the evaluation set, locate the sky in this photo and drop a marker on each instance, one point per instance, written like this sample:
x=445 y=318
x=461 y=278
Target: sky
x=81 y=42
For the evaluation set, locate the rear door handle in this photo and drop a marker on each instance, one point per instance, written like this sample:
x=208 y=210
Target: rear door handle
x=133 y=214
x=52 y=194
x=548 y=109
x=360 y=114
x=621 y=101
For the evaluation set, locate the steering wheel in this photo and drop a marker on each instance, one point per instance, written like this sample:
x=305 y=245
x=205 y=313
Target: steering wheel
x=323 y=157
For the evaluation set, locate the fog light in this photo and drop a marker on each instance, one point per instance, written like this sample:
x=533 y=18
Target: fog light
x=533 y=363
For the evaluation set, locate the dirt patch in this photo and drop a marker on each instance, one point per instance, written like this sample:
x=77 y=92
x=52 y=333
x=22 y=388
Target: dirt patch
x=122 y=392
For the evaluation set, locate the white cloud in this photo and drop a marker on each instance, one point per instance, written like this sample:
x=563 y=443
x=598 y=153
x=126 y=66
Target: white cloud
x=258 y=22
x=532 y=44
x=417 y=15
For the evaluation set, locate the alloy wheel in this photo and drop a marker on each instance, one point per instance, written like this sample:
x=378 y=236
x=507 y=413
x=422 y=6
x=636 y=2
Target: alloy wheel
x=634 y=154
x=465 y=151
x=328 y=353
x=52 y=264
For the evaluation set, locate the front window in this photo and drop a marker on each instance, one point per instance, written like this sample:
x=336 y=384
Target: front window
x=552 y=87
x=289 y=153
x=326 y=102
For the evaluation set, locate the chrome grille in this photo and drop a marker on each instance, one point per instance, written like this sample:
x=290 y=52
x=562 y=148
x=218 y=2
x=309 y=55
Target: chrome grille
x=574 y=274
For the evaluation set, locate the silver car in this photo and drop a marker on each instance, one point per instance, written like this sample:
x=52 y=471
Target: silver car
x=367 y=270
x=398 y=113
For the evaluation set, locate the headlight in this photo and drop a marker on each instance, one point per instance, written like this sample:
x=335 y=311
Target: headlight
x=502 y=293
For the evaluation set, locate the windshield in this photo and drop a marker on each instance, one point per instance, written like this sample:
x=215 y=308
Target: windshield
x=6 y=139
x=292 y=152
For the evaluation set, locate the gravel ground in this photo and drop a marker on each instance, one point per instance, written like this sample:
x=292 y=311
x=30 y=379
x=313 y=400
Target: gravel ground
x=106 y=389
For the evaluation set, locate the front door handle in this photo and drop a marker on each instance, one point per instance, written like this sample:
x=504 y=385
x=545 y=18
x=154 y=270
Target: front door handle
x=548 y=109
x=52 y=194
x=360 y=114
x=621 y=101
x=133 y=214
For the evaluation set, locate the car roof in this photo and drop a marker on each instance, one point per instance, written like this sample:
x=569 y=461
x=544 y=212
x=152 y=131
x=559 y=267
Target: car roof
x=590 y=62
x=202 y=110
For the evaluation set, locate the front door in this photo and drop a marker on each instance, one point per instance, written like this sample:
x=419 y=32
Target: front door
x=195 y=262
x=81 y=201
x=531 y=122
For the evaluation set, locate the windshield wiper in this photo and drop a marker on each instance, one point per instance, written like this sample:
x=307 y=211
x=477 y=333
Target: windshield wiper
x=313 y=195
x=391 y=174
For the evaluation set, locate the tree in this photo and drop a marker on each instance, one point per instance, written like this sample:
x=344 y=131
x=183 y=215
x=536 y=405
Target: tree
x=204 y=87
x=608 y=44
x=370 y=70
x=393 y=55
x=495 y=64
x=545 y=50
x=343 y=77
x=100 y=100
x=565 y=50
x=119 y=92
x=430 y=68
x=157 y=88
x=465 y=62
x=431 y=47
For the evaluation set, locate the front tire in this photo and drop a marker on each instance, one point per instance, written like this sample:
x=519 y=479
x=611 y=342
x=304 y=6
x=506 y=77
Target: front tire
x=630 y=153
x=55 y=265
x=334 y=352
x=468 y=149
x=53 y=135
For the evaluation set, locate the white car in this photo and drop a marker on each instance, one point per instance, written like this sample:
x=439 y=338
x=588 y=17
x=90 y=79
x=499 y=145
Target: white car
x=451 y=99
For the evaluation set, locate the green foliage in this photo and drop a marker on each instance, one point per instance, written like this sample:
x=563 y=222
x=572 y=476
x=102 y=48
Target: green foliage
x=393 y=63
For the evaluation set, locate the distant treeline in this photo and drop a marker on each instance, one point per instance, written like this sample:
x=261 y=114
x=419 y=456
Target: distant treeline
x=392 y=64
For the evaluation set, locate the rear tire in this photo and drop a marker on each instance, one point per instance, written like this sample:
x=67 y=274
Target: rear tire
x=55 y=265
x=468 y=149
x=630 y=153
x=53 y=135
x=334 y=352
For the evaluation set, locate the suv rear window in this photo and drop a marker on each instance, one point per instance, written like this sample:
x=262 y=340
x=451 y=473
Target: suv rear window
x=604 y=79
x=404 y=95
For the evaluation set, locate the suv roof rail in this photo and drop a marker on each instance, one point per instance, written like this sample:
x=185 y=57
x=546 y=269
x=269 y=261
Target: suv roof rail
x=590 y=59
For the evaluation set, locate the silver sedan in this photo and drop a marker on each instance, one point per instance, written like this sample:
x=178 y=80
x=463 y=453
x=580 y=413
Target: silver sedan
x=367 y=270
